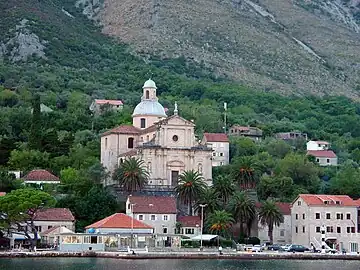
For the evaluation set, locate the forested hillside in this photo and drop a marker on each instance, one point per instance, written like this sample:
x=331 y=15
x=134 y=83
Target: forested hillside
x=51 y=51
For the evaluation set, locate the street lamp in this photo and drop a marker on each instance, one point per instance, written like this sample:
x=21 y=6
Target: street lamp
x=132 y=222
x=202 y=223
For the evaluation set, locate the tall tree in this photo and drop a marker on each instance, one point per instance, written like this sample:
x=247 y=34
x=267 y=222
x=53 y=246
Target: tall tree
x=246 y=172
x=220 y=222
x=191 y=186
x=244 y=210
x=224 y=187
x=210 y=198
x=35 y=131
x=270 y=215
x=19 y=209
x=132 y=174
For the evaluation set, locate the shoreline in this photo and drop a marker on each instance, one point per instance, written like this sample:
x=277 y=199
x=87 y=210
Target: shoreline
x=181 y=255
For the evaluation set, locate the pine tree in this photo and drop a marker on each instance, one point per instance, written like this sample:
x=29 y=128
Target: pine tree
x=35 y=131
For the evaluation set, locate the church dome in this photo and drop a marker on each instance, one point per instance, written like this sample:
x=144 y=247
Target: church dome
x=149 y=84
x=149 y=107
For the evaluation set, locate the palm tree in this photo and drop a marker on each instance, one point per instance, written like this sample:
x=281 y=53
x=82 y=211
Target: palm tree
x=190 y=187
x=244 y=210
x=245 y=172
x=224 y=187
x=132 y=174
x=270 y=215
x=210 y=198
x=219 y=222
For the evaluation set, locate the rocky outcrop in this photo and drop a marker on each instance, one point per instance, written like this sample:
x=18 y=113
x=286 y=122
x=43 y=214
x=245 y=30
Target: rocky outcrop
x=90 y=8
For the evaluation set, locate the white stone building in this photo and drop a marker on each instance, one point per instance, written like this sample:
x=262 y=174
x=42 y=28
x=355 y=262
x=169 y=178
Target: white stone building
x=338 y=213
x=167 y=145
x=190 y=225
x=219 y=142
x=322 y=153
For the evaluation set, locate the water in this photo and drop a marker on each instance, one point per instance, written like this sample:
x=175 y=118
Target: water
x=174 y=264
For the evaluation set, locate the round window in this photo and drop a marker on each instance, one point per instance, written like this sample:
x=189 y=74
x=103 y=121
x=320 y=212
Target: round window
x=175 y=138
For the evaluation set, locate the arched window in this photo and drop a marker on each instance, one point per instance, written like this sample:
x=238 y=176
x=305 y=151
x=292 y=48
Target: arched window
x=130 y=142
x=121 y=161
x=200 y=168
x=142 y=123
x=149 y=167
x=147 y=94
x=105 y=142
x=147 y=138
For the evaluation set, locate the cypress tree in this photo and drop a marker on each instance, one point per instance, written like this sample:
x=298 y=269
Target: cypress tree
x=35 y=131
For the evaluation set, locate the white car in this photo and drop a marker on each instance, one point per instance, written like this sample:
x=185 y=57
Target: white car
x=286 y=247
x=257 y=248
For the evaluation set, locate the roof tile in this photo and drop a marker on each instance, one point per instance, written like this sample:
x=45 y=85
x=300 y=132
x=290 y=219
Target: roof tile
x=54 y=214
x=189 y=221
x=216 y=137
x=154 y=204
x=119 y=220
x=322 y=153
x=123 y=129
x=313 y=199
x=108 y=101
x=40 y=175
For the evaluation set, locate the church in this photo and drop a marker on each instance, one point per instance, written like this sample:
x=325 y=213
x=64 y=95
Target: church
x=166 y=144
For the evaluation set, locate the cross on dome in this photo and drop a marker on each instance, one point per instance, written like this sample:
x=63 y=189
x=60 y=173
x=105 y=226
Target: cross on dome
x=176 y=109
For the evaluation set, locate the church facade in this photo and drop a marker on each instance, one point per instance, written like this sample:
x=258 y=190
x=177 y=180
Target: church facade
x=166 y=144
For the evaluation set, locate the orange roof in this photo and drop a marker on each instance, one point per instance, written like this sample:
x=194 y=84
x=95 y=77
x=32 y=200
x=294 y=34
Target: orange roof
x=123 y=129
x=216 y=137
x=322 y=153
x=189 y=221
x=119 y=221
x=40 y=175
x=108 y=101
x=2 y=194
x=153 y=204
x=328 y=200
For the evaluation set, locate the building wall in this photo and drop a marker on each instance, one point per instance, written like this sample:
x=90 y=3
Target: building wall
x=45 y=224
x=323 y=161
x=186 y=231
x=311 y=224
x=220 y=154
x=149 y=120
x=314 y=145
x=281 y=234
x=159 y=223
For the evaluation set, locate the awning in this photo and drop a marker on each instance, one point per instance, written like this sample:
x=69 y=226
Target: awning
x=17 y=236
x=204 y=237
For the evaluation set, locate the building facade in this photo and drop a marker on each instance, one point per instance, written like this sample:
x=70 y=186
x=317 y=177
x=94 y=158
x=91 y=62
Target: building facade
x=167 y=145
x=338 y=213
x=99 y=106
x=189 y=226
x=156 y=211
x=282 y=233
x=317 y=145
x=324 y=157
x=292 y=135
x=219 y=143
x=253 y=133
x=54 y=217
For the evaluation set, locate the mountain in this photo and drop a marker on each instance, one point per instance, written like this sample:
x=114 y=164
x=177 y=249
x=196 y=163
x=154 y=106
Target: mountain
x=292 y=47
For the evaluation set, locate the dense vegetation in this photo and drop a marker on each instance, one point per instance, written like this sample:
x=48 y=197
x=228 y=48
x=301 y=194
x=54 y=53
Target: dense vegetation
x=82 y=64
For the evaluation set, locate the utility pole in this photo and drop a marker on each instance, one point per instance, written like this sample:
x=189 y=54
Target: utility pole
x=202 y=224
x=225 y=111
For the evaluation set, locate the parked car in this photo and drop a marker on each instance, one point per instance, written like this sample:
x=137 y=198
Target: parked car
x=286 y=247
x=275 y=247
x=257 y=248
x=298 y=248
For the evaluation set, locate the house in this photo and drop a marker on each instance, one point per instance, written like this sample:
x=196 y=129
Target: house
x=98 y=106
x=40 y=177
x=324 y=157
x=219 y=143
x=47 y=218
x=338 y=213
x=317 y=145
x=190 y=226
x=166 y=144
x=292 y=135
x=282 y=233
x=246 y=131
x=157 y=211
x=49 y=237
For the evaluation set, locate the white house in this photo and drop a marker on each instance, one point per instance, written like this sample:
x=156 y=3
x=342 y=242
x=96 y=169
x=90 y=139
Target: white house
x=317 y=145
x=322 y=153
x=190 y=225
x=40 y=177
x=219 y=142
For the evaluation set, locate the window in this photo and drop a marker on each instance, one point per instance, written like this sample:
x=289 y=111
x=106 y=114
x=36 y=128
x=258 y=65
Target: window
x=317 y=216
x=147 y=138
x=49 y=227
x=221 y=154
x=214 y=154
x=348 y=229
x=165 y=230
x=189 y=231
x=318 y=229
x=340 y=216
x=121 y=161
x=130 y=142
x=296 y=229
x=200 y=168
x=328 y=216
x=338 y=229
x=147 y=94
x=354 y=247
x=140 y=217
x=299 y=202
x=175 y=138
x=142 y=123
x=149 y=167
x=166 y=217
x=352 y=229
x=303 y=216
x=327 y=160
x=317 y=160
x=221 y=163
x=282 y=233
x=152 y=217
x=38 y=228
x=105 y=142
x=348 y=216
x=296 y=216
x=303 y=229
x=329 y=229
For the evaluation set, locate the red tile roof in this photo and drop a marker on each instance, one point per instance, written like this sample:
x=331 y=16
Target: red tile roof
x=54 y=214
x=50 y=230
x=129 y=153
x=40 y=175
x=2 y=194
x=322 y=153
x=189 y=221
x=285 y=208
x=312 y=199
x=216 y=137
x=119 y=220
x=321 y=142
x=123 y=129
x=108 y=101
x=153 y=204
